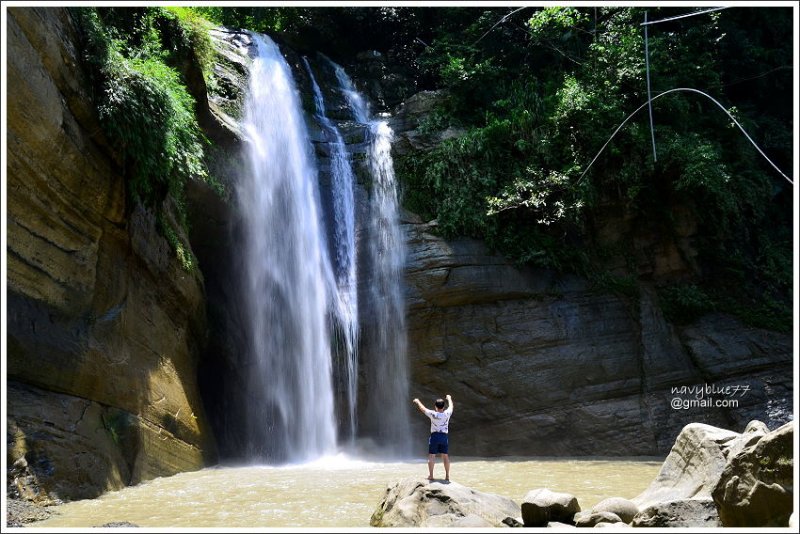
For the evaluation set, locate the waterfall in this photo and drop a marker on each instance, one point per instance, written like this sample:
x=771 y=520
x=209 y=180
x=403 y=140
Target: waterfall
x=345 y=308
x=287 y=276
x=387 y=376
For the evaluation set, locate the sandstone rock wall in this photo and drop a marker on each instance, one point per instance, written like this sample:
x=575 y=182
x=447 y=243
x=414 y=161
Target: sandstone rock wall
x=104 y=326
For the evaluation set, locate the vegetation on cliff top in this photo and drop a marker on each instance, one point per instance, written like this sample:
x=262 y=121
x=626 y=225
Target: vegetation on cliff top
x=133 y=57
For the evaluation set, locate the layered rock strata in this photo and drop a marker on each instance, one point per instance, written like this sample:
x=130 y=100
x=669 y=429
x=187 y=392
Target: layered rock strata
x=546 y=364
x=104 y=325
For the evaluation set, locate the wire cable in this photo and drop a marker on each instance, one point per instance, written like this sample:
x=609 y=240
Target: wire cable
x=691 y=90
x=649 y=97
x=503 y=19
x=683 y=16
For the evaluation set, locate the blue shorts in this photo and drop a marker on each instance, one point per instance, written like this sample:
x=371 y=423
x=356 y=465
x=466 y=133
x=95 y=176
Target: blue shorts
x=437 y=443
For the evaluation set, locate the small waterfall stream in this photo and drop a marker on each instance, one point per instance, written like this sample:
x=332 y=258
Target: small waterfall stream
x=345 y=306
x=287 y=273
x=387 y=377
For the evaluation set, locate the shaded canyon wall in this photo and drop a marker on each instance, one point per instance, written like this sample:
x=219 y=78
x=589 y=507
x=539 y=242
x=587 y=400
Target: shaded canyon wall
x=542 y=364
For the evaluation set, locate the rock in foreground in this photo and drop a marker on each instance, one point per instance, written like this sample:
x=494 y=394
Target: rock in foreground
x=683 y=513
x=755 y=489
x=694 y=465
x=541 y=506
x=622 y=508
x=417 y=502
x=715 y=477
x=21 y=512
x=592 y=519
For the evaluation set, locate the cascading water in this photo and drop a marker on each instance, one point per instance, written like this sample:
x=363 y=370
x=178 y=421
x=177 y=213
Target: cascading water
x=287 y=275
x=345 y=307
x=387 y=377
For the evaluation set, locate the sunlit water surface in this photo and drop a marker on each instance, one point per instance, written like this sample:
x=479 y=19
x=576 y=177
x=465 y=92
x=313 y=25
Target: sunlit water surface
x=339 y=491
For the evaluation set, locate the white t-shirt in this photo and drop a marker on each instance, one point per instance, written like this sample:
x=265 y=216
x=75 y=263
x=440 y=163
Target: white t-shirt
x=439 y=420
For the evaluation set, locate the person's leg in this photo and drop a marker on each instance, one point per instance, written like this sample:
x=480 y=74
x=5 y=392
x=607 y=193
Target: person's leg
x=431 y=460
x=446 y=458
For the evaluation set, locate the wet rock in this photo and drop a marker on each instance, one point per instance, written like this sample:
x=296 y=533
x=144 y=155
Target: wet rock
x=593 y=518
x=755 y=488
x=414 y=502
x=691 y=513
x=540 y=506
x=623 y=508
x=118 y=524
x=21 y=513
x=230 y=73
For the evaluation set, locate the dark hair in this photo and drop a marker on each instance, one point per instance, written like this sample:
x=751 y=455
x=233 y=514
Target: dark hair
x=439 y=403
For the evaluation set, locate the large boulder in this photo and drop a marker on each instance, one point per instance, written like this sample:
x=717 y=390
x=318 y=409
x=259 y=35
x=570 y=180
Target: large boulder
x=415 y=502
x=622 y=508
x=707 y=461
x=755 y=488
x=693 y=467
x=541 y=506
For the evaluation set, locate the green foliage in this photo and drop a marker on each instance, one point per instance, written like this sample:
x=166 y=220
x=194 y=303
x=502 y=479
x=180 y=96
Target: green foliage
x=143 y=103
x=513 y=177
x=536 y=93
x=625 y=285
x=684 y=303
x=192 y=31
x=556 y=19
x=258 y=19
x=184 y=253
x=433 y=122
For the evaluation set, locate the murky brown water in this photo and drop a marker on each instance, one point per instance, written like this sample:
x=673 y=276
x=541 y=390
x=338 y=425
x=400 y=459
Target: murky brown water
x=339 y=491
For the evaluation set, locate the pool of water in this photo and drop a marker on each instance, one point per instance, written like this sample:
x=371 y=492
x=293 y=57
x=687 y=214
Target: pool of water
x=339 y=491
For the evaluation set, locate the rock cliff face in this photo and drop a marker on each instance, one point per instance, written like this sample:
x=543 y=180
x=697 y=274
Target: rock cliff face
x=104 y=326
x=542 y=364
x=106 y=331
